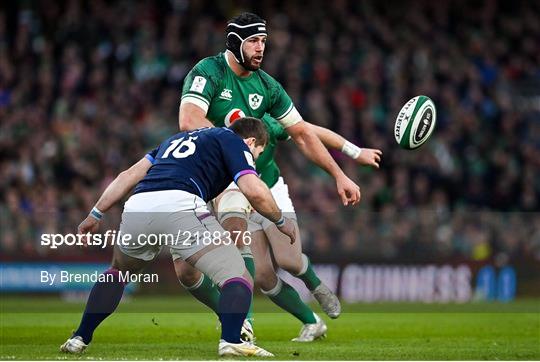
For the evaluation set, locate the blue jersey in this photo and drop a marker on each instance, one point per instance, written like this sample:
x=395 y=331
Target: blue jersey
x=202 y=162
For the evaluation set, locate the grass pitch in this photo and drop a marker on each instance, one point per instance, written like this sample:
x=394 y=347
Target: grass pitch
x=179 y=328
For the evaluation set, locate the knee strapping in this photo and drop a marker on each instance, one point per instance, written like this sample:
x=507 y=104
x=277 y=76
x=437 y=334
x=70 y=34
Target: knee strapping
x=232 y=204
x=221 y=264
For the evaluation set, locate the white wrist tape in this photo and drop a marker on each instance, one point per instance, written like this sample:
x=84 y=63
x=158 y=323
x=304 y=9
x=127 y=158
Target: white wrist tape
x=96 y=213
x=351 y=150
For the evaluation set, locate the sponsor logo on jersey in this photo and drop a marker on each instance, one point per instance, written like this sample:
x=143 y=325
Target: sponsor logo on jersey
x=233 y=115
x=226 y=94
x=249 y=158
x=198 y=84
x=255 y=100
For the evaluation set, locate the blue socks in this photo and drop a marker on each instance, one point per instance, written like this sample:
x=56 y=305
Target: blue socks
x=233 y=307
x=102 y=302
x=105 y=296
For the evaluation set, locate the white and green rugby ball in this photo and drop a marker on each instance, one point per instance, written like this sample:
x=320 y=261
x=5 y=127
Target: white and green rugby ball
x=415 y=122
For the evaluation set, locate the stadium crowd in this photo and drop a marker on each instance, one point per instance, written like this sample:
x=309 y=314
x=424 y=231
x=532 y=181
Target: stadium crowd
x=86 y=88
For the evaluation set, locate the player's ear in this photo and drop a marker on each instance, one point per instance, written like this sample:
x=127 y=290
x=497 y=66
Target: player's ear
x=250 y=141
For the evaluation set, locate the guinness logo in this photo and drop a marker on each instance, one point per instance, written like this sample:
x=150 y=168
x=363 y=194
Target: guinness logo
x=424 y=125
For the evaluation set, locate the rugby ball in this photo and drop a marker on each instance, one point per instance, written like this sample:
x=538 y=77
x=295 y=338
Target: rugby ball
x=415 y=122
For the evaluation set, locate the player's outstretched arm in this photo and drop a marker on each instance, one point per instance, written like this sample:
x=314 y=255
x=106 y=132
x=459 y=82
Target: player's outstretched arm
x=363 y=156
x=116 y=190
x=260 y=197
x=122 y=184
x=312 y=147
x=191 y=116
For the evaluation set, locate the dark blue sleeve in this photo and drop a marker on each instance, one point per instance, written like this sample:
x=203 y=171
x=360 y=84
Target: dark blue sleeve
x=238 y=160
x=151 y=156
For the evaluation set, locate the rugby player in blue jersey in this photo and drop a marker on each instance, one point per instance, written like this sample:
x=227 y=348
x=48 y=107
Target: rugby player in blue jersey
x=173 y=183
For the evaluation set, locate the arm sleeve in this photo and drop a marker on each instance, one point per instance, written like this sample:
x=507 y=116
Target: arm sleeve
x=199 y=88
x=151 y=156
x=238 y=160
x=282 y=107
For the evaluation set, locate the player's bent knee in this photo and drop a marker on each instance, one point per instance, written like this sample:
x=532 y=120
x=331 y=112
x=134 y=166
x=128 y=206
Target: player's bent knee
x=187 y=275
x=264 y=273
x=265 y=279
x=290 y=263
x=289 y=259
x=223 y=263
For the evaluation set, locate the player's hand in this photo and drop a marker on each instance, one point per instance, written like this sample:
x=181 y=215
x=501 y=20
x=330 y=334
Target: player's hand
x=348 y=190
x=89 y=226
x=369 y=157
x=288 y=228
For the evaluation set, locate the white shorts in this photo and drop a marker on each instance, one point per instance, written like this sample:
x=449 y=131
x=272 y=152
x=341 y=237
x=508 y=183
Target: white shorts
x=173 y=218
x=280 y=191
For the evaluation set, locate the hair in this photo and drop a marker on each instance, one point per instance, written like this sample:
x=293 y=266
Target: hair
x=247 y=127
x=246 y=18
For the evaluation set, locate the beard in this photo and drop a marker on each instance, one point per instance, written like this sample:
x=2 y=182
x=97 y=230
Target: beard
x=248 y=63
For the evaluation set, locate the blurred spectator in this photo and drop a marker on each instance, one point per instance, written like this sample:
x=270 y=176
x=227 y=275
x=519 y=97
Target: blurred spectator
x=87 y=87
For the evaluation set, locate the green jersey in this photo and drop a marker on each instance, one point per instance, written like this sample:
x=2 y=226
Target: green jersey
x=266 y=165
x=224 y=96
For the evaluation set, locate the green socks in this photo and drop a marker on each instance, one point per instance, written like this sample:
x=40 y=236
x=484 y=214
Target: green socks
x=250 y=266
x=206 y=292
x=307 y=275
x=282 y=294
x=288 y=299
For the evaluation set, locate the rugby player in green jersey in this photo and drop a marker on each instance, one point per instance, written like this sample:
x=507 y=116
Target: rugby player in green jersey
x=230 y=85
